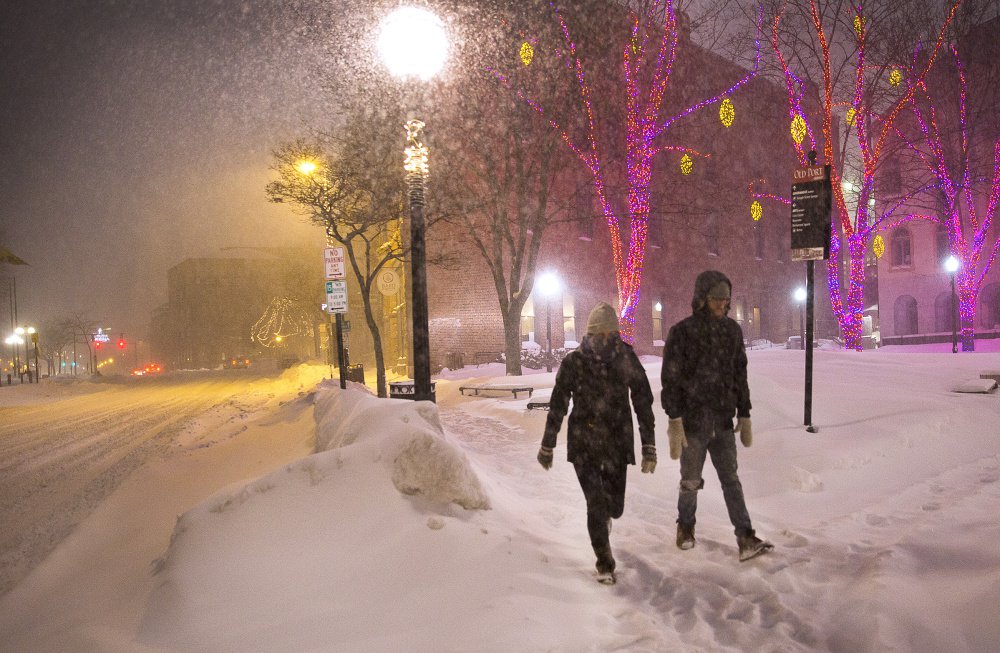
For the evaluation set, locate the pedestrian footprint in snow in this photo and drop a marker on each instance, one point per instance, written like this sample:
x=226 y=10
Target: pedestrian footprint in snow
x=598 y=376
x=704 y=385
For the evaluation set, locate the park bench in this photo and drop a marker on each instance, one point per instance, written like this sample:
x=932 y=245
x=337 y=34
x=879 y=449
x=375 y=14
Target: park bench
x=479 y=388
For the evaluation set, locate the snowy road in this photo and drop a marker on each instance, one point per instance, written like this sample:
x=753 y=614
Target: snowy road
x=61 y=457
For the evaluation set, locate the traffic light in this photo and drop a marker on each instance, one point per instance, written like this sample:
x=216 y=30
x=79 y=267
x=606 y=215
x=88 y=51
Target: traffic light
x=121 y=343
x=98 y=344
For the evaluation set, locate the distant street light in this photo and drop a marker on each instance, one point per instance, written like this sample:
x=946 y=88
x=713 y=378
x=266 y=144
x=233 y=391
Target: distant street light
x=413 y=43
x=951 y=266
x=800 y=296
x=549 y=286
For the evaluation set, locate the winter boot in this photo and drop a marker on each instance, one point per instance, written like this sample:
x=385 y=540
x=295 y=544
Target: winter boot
x=605 y=566
x=685 y=537
x=752 y=546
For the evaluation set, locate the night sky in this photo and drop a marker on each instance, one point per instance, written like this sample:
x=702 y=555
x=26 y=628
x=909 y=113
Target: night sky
x=136 y=134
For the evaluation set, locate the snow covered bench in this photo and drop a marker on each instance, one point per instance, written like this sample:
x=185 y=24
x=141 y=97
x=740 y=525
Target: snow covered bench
x=478 y=388
x=990 y=374
x=982 y=385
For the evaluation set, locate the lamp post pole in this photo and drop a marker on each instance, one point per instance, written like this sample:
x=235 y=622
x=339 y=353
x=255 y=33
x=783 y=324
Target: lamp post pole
x=951 y=264
x=416 y=169
x=413 y=43
x=549 y=286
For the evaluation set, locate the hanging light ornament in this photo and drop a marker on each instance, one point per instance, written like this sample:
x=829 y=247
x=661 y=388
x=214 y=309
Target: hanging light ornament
x=798 y=129
x=756 y=211
x=687 y=165
x=727 y=112
x=527 y=53
x=851 y=114
x=895 y=77
x=878 y=245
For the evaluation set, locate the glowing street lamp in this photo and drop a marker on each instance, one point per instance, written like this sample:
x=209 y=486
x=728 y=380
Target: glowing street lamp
x=412 y=43
x=549 y=286
x=800 y=295
x=951 y=266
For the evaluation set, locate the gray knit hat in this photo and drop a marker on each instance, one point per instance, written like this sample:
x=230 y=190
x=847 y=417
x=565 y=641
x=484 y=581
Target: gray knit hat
x=603 y=319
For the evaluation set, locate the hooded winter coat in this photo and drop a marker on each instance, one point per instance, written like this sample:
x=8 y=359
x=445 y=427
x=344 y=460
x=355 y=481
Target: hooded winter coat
x=598 y=376
x=704 y=376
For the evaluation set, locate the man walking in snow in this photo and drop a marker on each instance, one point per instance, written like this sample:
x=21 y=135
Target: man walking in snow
x=704 y=385
x=598 y=376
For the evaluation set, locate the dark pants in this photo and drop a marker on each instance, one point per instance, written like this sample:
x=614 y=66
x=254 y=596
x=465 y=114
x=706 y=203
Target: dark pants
x=603 y=487
x=721 y=446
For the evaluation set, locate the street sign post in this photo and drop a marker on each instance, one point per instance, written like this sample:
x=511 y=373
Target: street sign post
x=812 y=200
x=336 y=302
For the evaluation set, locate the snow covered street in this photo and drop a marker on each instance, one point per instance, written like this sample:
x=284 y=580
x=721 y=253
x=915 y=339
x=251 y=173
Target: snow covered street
x=278 y=515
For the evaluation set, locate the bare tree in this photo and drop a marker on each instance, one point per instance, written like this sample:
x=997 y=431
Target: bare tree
x=348 y=183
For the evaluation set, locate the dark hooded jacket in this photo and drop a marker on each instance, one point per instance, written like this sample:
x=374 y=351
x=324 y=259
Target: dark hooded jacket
x=704 y=372
x=598 y=379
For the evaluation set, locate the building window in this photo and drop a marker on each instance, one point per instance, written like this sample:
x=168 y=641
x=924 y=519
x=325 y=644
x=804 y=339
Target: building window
x=942 y=246
x=900 y=243
x=904 y=314
x=657 y=320
x=654 y=233
x=989 y=307
x=585 y=211
x=942 y=312
x=569 y=321
x=712 y=237
x=528 y=321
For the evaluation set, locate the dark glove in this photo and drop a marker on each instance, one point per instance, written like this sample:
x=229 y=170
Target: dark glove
x=675 y=433
x=545 y=457
x=648 y=458
x=745 y=430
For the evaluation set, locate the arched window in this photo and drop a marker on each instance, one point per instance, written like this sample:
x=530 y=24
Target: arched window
x=989 y=306
x=900 y=246
x=904 y=314
x=942 y=312
x=941 y=246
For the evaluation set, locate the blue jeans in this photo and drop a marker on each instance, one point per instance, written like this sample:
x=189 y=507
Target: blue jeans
x=721 y=446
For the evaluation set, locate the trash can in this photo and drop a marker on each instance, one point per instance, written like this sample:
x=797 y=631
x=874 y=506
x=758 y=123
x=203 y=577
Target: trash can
x=356 y=373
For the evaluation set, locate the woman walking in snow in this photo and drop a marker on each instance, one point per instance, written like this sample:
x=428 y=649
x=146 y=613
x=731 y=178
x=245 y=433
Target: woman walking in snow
x=598 y=376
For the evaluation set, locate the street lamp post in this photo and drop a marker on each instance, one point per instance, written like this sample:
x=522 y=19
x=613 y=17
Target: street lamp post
x=413 y=43
x=549 y=286
x=800 y=297
x=951 y=265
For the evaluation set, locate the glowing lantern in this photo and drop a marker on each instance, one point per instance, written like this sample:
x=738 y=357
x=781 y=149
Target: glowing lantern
x=727 y=112
x=798 y=129
x=687 y=165
x=895 y=77
x=878 y=245
x=756 y=211
x=527 y=53
x=851 y=113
